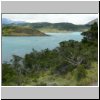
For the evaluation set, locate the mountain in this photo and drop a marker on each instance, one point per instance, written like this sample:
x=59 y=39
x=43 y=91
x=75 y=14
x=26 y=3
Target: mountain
x=39 y=29
x=20 y=31
x=8 y=21
x=93 y=21
x=56 y=27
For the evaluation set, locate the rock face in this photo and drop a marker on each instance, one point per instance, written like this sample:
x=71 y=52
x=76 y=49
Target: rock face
x=92 y=22
x=20 y=31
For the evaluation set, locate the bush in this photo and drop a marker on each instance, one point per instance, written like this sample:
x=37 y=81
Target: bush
x=81 y=72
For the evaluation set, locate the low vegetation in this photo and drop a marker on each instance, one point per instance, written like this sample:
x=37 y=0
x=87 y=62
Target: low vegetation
x=20 y=31
x=73 y=63
x=25 y=28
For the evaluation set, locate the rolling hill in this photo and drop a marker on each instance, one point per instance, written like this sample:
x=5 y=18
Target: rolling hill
x=20 y=31
x=15 y=28
x=55 y=27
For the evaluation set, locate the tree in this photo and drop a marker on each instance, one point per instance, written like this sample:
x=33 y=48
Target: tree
x=81 y=72
x=91 y=35
x=8 y=74
x=16 y=64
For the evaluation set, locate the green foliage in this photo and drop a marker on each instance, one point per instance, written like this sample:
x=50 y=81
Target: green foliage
x=20 y=31
x=81 y=72
x=91 y=35
x=8 y=74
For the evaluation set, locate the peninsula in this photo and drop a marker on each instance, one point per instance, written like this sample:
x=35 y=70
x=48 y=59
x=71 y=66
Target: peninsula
x=20 y=31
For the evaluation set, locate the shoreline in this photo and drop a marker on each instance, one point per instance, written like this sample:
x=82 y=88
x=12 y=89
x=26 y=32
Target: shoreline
x=66 y=32
x=23 y=35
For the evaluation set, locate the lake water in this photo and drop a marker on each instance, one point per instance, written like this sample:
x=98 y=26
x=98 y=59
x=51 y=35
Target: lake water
x=23 y=45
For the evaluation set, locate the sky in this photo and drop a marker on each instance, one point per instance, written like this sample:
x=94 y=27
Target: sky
x=52 y=18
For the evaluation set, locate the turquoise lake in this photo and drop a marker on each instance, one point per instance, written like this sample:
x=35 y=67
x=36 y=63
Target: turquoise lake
x=23 y=45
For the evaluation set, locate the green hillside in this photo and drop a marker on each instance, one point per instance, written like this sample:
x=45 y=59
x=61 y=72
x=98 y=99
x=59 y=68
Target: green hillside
x=56 y=27
x=20 y=31
x=34 y=28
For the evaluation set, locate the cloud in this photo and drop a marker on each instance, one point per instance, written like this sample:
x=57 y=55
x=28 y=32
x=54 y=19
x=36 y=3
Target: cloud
x=53 y=18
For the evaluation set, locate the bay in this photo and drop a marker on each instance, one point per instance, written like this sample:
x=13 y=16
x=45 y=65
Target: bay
x=23 y=45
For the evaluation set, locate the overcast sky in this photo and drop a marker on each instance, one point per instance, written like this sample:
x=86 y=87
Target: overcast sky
x=53 y=18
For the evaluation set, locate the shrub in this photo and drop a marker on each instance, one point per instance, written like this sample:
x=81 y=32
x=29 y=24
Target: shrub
x=81 y=72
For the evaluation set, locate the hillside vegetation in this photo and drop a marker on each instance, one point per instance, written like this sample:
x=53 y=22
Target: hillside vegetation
x=73 y=63
x=58 y=26
x=43 y=27
x=20 y=31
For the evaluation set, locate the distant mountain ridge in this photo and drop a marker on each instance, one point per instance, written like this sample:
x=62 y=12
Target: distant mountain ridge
x=55 y=27
x=21 y=28
x=93 y=21
x=8 y=21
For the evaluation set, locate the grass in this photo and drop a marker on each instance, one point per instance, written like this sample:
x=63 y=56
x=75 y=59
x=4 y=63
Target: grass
x=92 y=75
x=69 y=79
x=45 y=78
